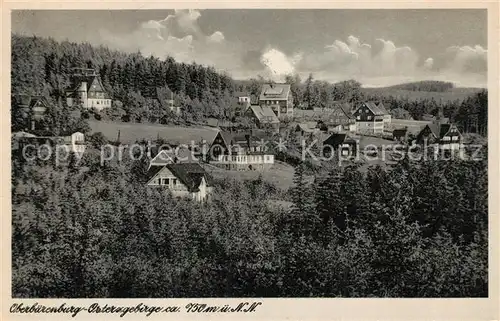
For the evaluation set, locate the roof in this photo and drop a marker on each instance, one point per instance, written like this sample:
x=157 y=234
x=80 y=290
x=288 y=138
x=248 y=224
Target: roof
x=241 y=94
x=93 y=85
x=22 y=134
x=307 y=126
x=264 y=114
x=163 y=158
x=345 y=107
x=190 y=174
x=252 y=138
x=30 y=101
x=275 y=91
x=337 y=139
x=377 y=108
x=439 y=130
x=399 y=132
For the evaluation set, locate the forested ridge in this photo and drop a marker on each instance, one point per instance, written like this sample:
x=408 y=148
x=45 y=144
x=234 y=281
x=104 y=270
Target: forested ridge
x=43 y=66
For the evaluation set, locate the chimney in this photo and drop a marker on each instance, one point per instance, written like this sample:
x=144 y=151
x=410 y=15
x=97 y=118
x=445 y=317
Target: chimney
x=248 y=137
x=32 y=125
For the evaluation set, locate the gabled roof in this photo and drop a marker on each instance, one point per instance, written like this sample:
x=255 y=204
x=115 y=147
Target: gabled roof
x=189 y=174
x=378 y=109
x=94 y=84
x=153 y=171
x=345 y=107
x=338 y=138
x=163 y=158
x=275 y=91
x=245 y=138
x=173 y=155
x=439 y=130
x=30 y=101
x=308 y=126
x=264 y=114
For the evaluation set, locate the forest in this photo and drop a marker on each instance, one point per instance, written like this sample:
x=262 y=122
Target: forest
x=86 y=230
x=82 y=229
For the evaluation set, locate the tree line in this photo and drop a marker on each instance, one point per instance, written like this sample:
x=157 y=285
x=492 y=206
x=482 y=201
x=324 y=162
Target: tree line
x=44 y=67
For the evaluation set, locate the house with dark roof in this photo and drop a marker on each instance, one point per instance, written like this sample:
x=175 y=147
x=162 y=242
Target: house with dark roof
x=371 y=117
x=87 y=91
x=182 y=180
x=33 y=109
x=263 y=117
x=342 y=117
x=307 y=129
x=445 y=136
x=341 y=143
x=247 y=150
x=278 y=97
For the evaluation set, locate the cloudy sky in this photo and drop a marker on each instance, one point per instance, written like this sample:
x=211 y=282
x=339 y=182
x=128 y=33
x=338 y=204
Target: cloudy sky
x=375 y=47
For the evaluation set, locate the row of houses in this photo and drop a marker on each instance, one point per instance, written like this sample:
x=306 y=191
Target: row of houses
x=22 y=141
x=443 y=137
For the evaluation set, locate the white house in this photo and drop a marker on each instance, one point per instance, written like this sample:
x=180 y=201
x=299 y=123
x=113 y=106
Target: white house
x=88 y=91
x=182 y=180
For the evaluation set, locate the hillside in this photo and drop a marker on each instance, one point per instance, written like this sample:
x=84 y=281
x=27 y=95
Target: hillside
x=452 y=94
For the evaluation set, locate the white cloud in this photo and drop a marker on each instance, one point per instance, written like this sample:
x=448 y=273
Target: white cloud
x=467 y=58
x=179 y=36
x=278 y=64
x=387 y=63
x=216 y=37
x=383 y=62
x=428 y=63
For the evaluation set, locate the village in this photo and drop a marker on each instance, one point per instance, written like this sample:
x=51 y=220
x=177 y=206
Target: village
x=240 y=153
x=350 y=131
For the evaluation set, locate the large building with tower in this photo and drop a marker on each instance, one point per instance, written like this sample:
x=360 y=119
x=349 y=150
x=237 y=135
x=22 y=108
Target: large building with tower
x=87 y=90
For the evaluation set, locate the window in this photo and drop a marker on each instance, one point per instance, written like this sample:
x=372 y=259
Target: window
x=174 y=181
x=358 y=117
x=454 y=138
x=369 y=117
x=446 y=138
x=165 y=181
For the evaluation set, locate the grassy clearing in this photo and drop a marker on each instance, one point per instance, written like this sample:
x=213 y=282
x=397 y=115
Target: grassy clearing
x=130 y=132
x=281 y=175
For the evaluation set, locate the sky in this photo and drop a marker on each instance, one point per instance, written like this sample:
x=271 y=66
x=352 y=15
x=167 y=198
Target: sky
x=377 y=47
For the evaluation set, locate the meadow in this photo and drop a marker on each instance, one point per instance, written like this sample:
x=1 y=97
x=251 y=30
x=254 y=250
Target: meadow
x=131 y=132
x=280 y=175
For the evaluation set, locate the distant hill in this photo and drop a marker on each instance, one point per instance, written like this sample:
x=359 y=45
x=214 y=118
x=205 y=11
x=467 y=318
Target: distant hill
x=415 y=91
x=426 y=85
